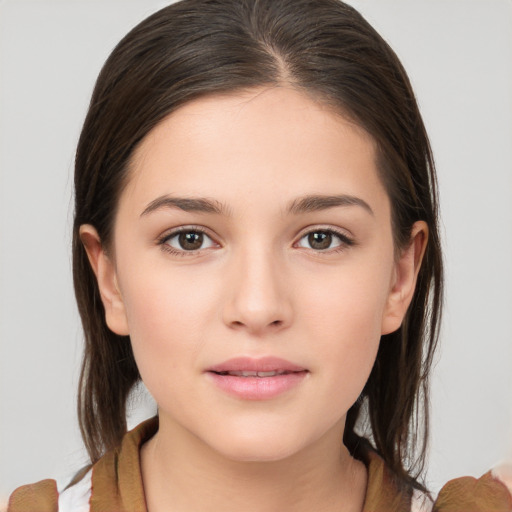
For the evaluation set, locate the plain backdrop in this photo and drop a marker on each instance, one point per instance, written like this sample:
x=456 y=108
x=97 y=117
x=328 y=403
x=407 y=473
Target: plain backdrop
x=459 y=56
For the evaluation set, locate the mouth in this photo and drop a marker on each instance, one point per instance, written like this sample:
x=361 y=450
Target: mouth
x=257 y=379
x=249 y=373
x=268 y=366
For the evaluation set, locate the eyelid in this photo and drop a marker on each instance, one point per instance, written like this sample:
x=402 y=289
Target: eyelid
x=171 y=233
x=346 y=239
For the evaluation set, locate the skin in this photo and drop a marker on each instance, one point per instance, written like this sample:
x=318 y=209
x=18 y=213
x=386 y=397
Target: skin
x=257 y=286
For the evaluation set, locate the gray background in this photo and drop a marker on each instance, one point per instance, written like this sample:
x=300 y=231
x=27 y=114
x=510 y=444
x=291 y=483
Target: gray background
x=459 y=56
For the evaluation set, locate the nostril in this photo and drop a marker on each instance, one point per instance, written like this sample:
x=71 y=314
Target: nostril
x=276 y=323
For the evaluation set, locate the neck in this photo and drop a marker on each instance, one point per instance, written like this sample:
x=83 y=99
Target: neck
x=181 y=474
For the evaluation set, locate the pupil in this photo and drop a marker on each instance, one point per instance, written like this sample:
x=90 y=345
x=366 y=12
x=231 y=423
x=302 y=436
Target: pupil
x=191 y=241
x=320 y=240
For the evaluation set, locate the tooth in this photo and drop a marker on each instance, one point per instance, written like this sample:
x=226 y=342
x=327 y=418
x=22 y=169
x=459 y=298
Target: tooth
x=249 y=374
x=267 y=374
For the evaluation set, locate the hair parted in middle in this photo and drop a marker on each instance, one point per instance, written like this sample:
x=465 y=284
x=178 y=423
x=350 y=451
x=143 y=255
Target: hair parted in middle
x=327 y=50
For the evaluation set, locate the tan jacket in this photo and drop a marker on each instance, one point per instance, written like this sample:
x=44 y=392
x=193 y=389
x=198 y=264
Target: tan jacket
x=116 y=486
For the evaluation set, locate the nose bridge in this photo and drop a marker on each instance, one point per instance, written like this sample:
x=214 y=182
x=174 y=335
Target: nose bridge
x=259 y=295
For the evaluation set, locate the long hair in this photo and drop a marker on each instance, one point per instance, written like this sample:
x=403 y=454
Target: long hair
x=326 y=49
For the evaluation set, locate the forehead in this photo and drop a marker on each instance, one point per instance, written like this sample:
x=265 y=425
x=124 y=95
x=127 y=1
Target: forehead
x=275 y=142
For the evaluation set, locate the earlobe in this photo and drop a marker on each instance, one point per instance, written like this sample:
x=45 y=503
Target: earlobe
x=105 y=272
x=404 y=278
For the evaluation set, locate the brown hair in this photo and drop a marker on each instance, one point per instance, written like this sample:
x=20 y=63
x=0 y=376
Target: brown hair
x=326 y=49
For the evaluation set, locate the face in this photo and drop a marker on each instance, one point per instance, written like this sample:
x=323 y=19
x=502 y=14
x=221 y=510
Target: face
x=253 y=268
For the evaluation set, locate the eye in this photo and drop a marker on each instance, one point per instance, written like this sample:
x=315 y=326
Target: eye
x=186 y=240
x=324 y=239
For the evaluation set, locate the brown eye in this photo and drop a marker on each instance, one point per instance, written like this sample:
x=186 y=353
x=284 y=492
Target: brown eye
x=189 y=241
x=324 y=239
x=320 y=240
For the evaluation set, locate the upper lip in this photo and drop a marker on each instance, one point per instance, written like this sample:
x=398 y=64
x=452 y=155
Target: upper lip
x=262 y=364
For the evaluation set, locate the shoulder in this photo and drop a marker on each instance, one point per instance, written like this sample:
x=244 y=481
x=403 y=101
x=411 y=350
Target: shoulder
x=490 y=493
x=44 y=496
x=115 y=478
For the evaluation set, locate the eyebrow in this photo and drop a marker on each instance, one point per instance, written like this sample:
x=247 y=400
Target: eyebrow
x=311 y=203
x=199 y=204
x=319 y=202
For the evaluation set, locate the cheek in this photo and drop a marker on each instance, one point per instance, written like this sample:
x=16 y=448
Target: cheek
x=167 y=311
x=349 y=301
x=343 y=315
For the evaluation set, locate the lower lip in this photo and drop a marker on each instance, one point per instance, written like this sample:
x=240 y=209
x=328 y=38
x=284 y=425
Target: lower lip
x=257 y=388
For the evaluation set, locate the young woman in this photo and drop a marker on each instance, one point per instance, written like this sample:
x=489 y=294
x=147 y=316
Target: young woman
x=256 y=239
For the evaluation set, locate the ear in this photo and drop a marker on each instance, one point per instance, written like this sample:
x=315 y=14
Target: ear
x=404 y=278
x=105 y=272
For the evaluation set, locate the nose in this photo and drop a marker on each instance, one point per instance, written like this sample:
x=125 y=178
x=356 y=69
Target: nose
x=259 y=294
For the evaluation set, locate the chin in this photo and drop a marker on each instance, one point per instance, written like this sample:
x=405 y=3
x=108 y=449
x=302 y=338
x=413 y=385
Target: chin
x=261 y=445
x=257 y=452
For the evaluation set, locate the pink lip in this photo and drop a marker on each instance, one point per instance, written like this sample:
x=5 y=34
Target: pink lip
x=256 y=387
x=262 y=364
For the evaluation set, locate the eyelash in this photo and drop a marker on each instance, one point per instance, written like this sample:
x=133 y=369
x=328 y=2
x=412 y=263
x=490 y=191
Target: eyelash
x=345 y=241
x=163 y=241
